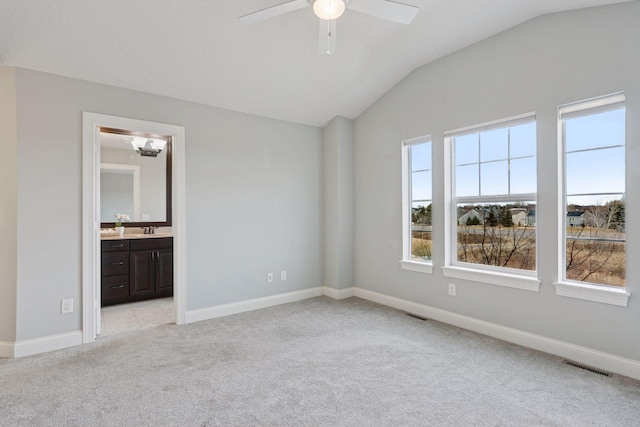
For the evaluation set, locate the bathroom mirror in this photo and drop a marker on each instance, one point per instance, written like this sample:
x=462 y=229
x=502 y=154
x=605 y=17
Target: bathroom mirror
x=135 y=178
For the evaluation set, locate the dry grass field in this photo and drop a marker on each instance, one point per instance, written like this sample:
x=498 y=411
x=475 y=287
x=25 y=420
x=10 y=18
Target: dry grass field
x=593 y=255
x=597 y=256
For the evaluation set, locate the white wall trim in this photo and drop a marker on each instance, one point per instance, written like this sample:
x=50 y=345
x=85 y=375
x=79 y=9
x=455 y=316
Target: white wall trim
x=6 y=350
x=419 y=267
x=338 y=293
x=585 y=291
x=526 y=283
x=45 y=344
x=594 y=358
x=250 y=305
x=198 y=315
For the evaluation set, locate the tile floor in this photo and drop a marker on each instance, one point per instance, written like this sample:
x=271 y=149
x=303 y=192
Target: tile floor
x=137 y=315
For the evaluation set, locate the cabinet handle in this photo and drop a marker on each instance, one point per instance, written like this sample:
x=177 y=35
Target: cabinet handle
x=118 y=263
x=117 y=287
x=117 y=246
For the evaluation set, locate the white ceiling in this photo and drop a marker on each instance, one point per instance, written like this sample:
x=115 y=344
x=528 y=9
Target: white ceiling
x=198 y=50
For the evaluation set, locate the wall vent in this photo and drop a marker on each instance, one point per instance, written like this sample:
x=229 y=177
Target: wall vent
x=416 y=316
x=587 y=368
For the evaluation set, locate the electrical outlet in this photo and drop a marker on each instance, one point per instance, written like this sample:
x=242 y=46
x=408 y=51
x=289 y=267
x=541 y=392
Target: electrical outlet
x=283 y=275
x=269 y=277
x=66 y=306
x=452 y=289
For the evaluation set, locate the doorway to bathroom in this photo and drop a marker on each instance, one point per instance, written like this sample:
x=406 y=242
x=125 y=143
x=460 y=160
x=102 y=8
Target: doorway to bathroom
x=93 y=318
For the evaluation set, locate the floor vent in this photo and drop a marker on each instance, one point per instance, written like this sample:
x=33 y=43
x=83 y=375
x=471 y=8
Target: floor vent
x=416 y=316
x=587 y=368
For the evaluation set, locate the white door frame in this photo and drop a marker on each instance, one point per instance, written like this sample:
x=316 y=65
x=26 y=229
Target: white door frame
x=92 y=123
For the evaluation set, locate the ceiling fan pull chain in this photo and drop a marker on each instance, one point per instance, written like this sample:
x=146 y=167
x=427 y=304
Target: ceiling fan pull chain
x=327 y=37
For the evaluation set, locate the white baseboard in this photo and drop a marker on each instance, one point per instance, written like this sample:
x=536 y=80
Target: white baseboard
x=44 y=344
x=338 y=293
x=57 y=342
x=587 y=356
x=6 y=350
x=250 y=305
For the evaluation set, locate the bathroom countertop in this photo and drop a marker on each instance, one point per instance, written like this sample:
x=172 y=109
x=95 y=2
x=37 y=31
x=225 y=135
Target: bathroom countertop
x=134 y=236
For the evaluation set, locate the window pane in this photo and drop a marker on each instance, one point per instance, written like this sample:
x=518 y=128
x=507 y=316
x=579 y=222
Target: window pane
x=494 y=178
x=595 y=237
x=421 y=231
x=596 y=130
x=594 y=260
x=596 y=241
x=523 y=175
x=491 y=232
x=466 y=147
x=467 y=181
x=596 y=171
x=421 y=185
x=417 y=241
x=420 y=156
x=523 y=140
x=497 y=234
x=494 y=145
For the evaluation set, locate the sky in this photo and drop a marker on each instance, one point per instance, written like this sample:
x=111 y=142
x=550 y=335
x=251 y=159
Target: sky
x=503 y=161
x=590 y=167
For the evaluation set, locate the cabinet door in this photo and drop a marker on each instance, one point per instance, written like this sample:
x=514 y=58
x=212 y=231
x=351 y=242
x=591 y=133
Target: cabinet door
x=141 y=273
x=164 y=272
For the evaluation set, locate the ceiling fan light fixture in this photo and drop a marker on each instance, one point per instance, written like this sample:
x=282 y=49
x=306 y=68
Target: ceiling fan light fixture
x=329 y=9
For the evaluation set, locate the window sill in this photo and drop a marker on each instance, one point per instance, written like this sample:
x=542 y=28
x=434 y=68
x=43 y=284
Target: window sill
x=420 y=267
x=595 y=293
x=494 y=278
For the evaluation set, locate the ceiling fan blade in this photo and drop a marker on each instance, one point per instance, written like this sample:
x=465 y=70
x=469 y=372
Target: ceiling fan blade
x=385 y=9
x=327 y=37
x=273 y=11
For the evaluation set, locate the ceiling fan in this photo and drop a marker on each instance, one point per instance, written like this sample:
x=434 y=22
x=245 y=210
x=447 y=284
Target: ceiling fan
x=330 y=10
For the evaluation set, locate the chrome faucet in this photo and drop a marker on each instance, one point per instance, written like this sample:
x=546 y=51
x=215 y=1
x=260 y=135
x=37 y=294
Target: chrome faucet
x=149 y=230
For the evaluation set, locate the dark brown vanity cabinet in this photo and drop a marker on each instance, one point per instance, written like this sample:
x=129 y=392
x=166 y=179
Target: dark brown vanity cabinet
x=151 y=267
x=136 y=269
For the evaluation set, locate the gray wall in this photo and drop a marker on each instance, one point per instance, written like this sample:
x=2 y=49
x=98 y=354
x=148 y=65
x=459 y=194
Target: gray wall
x=8 y=205
x=552 y=60
x=252 y=199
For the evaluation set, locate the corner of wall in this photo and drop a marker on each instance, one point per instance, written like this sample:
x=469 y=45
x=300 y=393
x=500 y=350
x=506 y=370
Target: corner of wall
x=8 y=205
x=338 y=172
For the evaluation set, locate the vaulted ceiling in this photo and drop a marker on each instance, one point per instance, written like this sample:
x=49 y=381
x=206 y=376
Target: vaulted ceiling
x=198 y=50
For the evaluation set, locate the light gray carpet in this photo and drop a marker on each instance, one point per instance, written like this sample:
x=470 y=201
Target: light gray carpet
x=314 y=362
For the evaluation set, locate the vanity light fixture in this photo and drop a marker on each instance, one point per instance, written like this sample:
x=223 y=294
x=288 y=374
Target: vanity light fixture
x=148 y=147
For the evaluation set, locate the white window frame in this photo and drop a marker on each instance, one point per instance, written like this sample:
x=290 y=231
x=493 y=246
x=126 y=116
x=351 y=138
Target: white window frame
x=564 y=287
x=500 y=276
x=407 y=263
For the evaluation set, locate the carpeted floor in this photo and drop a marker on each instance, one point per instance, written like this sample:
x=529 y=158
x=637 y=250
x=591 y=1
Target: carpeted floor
x=315 y=362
